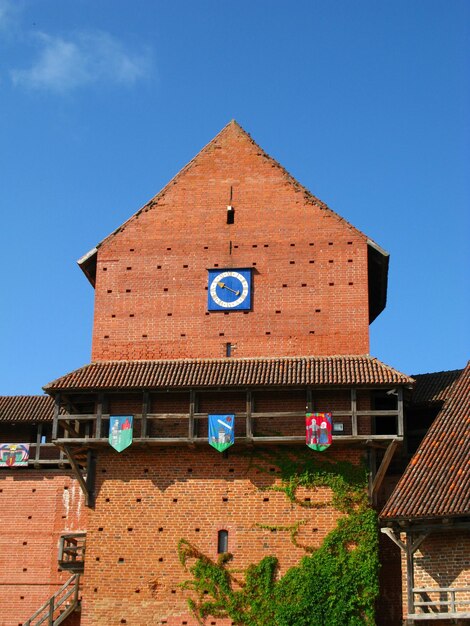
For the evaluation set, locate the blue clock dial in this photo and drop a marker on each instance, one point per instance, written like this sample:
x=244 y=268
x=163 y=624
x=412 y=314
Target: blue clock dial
x=229 y=290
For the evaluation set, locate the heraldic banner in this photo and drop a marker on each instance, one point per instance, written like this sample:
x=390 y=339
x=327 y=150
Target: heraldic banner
x=120 y=431
x=14 y=454
x=318 y=431
x=221 y=431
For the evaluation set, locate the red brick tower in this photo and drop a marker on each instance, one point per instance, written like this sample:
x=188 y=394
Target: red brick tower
x=234 y=290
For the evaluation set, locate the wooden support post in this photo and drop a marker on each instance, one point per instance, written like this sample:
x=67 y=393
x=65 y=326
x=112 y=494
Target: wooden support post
x=145 y=410
x=91 y=477
x=192 y=403
x=410 y=574
x=354 y=412
x=38 y=445
x=249 y=411
x=309 y=406
x=380 y=475
x=400 y=428
x=55 y=423
x=99 y=415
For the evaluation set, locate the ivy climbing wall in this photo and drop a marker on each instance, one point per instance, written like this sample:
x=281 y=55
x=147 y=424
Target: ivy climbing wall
x=153 y=536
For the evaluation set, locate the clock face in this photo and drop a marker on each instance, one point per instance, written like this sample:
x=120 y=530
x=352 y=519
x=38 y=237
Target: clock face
x=229 y=290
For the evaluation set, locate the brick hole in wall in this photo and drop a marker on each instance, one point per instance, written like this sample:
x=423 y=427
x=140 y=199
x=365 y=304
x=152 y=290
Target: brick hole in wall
x=317 y=310
x=183 y=335
x=175 y=500
x=254 y=263
x=350 y=243
x=137 y=591
x=106 y=337
x=98 y=558
x=331 y=284
x=292 y=262
x=131 y=315
x=159 y=267
x=190 y=469
x=131 y=250
x=121 y=559
x=197 y=530
x=160 y=530
x=185 y=266
x=311 y=332
x=268 y=332
x=113 y=315
x=25 y=543
x=255 y=245
x=350 y=260
x=331 y=261
x=110 y=291
x=160 y=560
x=206 y=247
x=284 y=285
x=128 y=291
x=311 y=244
x=128 y=268
x=311 y=261
x=266 y=245
x=130 y=529
x=277 y=312
x=138 y=499
x=105 y=269
x=303 y=285
x=165 y=288
x=224 y=499
x=144 y=336
x=350 y=283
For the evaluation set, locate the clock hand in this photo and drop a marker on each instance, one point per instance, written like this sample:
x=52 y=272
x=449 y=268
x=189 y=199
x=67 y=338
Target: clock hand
x=224 y=286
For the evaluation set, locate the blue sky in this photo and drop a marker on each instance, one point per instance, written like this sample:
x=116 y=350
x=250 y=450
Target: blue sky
x=365 y=102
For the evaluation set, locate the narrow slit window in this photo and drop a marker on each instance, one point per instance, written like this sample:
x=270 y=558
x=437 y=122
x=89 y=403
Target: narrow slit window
x=230 y=215
x=222 y=541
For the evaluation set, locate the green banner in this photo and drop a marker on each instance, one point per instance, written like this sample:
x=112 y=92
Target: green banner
x=120 y=431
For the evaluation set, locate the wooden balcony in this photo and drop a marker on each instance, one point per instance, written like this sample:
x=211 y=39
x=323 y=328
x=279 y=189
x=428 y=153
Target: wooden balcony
x=440 y=603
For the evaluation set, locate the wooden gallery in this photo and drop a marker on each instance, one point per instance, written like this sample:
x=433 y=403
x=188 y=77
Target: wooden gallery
x=225 y=456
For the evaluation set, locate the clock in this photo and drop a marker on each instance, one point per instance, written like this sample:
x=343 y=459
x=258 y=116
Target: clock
x=229 y=290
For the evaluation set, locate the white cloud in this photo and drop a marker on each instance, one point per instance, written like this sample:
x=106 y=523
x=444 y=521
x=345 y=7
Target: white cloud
x=88 y=57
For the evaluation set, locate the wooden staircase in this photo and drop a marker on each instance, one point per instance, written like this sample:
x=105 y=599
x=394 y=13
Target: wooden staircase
x=59 y=606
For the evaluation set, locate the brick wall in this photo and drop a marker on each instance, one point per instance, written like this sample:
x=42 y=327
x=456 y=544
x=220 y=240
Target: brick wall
x=310 y=293
x=35 y=507
x=443 y=560
x=148 y=500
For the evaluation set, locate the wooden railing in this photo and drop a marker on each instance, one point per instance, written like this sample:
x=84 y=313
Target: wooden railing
x=72 y=551
x=45 y=454
x=453 y=603
x=251 y=427
x=59 y=606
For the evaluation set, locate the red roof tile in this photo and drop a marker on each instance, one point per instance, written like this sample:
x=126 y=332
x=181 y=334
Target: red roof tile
x=319 y=371
x=435 y=387
x=26 y=408
x=436 y=483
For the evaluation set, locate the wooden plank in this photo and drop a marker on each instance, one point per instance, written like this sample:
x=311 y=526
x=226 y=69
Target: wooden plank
x=38 y=443
x=192 y=404
x=410 y=575
x=99 y=414
x=145 y=410
x=70 y=429
x=77 y=472
x=91 y=477
x=309 y=401
x=380 y=475
x=249 y=409
x=55 y=423
x=400 y=427
x=354 y=411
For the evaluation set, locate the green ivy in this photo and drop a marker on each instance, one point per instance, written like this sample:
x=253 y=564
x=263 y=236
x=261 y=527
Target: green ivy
x=334 y=585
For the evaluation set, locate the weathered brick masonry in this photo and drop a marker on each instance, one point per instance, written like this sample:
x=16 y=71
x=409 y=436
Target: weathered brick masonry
x=148 y=500
x=35 y=507
x=310 y=266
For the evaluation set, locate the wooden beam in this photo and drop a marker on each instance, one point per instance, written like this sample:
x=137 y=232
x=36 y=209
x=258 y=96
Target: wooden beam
x=192 y=405
x=249 y=414
x=354 y=411
x=70 y=429
x=55 y=423
x=76 y=470
x=38 y=443
x=99 y=415
x=91 y=477
x=309 y=406
x=145 y=410
x=396 y=540
x=380 y=475
x=400 y=412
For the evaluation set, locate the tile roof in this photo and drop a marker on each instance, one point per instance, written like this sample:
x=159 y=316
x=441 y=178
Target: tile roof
x=26 y=408
x=228 y=372
x=433 y=388
x=436 y=483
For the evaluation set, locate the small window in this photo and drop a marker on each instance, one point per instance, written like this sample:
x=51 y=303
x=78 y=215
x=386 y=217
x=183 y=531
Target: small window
x=222 y=541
